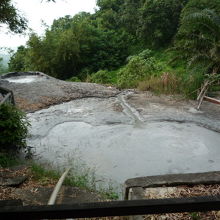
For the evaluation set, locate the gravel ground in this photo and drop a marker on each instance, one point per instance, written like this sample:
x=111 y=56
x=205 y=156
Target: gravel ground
x=181 y=192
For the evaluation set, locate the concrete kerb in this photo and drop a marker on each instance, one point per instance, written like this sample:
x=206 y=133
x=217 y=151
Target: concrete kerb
x=135 y=188
x=139 y=184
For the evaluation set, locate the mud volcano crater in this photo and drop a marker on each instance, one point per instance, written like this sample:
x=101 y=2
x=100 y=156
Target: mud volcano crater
x=119 y=145
x=119 y=134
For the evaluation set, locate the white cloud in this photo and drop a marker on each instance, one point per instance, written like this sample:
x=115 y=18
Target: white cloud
x=37 y=10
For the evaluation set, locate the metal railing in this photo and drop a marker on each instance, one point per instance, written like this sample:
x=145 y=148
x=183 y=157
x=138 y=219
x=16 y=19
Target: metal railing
x=116 y=208
x=7 y=96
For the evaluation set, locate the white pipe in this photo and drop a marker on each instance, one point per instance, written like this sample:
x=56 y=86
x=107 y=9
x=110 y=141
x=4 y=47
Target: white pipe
x=57 y=188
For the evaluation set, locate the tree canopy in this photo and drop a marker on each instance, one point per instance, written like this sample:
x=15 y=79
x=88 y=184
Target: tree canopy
x=199 y=40
x=10 y=16
x=83 y=44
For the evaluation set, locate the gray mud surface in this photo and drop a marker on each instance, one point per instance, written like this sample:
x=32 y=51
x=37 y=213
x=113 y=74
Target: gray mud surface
x=118 y=135
x=35 y=90
x=119 y=139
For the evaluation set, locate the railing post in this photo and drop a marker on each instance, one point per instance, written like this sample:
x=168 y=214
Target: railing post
x=7 y=96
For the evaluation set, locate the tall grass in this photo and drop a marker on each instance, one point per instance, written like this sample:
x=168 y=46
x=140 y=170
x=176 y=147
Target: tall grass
x=167 y=83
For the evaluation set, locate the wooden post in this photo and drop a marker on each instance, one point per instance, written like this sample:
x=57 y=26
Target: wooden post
x=209 y=99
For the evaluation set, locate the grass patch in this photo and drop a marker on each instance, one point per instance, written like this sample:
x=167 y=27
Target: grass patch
x=167 y=83
x=110 y=194
x=43 y=175
x=46 y=176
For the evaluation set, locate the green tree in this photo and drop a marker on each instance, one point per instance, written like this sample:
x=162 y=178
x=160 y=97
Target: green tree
x=10 y=16
x=129 y=16
x=198 y=40
x=40 y=54
x=74 y=46
x=159 y=21
x=150 y=22
x=17 y=60
x=108 y=15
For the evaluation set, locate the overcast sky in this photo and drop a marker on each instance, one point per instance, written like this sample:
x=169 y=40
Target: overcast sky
x=37 y=10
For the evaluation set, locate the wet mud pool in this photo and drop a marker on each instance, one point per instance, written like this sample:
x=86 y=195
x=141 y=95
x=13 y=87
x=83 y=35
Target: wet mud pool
x=118 y=142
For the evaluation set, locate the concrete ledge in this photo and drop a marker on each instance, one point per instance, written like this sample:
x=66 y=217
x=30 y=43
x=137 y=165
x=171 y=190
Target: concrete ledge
x=135 y=188
x=171 y=180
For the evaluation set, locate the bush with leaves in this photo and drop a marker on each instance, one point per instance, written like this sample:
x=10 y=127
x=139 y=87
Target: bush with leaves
x=102 y=77
x=139 y=67
x=13 y=129
x=74 y=79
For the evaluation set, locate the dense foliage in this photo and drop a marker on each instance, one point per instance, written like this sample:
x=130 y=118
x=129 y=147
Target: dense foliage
x=17 y=61
x=13 y=128
x=10 y=16
x=159 y=21
x=102 y=77
x=198 y=40
x=83 y=44
x=108 y=46
x=139 y=67
x=72 y=47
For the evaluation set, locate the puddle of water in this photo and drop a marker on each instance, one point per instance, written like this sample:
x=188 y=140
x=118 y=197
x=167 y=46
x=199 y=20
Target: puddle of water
x=25 y=79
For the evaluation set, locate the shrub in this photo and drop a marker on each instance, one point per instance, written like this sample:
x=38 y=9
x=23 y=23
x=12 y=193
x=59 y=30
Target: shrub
x=74 y=79
x=102 y=77
x=138 y=68
x=13 y=128
x=7 y=160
